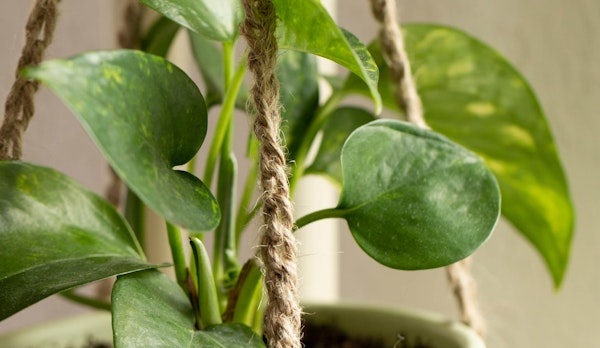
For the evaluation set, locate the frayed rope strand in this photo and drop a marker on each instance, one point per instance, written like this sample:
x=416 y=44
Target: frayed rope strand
x=19 y=107
x=278 y=245
x=392 y=45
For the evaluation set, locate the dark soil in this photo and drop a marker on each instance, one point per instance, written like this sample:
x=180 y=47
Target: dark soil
x=91 y=343
x=321 y=336
x=326 y=336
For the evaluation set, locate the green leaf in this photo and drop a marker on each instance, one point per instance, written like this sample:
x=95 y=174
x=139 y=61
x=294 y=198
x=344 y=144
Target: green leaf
x=336 y=129
x=160 y=36
x=412 y=198
x=208 y=300
x=56 y=235
x=146 y=116
x=306 y=26
x=214 y=19
x=299 y=95
x=149 y=310
x=475 y=97
x=209 y=60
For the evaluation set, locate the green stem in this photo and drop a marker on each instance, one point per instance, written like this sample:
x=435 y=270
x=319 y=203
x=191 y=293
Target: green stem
x=309 y=137
x=249 y=298
x=223 y=122
x=178 y=254
x=134 y=214
x=226 y=267
x=320 y=215
x=191 y=166
x=243 y=216
x=228 y=62
x=84 y=300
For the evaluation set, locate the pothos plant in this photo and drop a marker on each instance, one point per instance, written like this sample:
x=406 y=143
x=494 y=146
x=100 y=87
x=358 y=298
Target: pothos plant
x=413 y=198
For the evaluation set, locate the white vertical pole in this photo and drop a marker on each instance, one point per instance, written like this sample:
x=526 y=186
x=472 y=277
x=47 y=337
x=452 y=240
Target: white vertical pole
x=318 y=260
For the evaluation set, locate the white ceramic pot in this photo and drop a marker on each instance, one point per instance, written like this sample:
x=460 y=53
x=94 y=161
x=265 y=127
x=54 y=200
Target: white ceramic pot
x=355 y=320
x=432 y=330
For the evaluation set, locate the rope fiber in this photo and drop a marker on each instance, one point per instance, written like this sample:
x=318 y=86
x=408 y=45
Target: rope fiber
x=19 y=107
x=278 y=246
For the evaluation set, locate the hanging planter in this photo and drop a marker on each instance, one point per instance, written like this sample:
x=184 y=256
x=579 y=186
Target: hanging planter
x=412 y=198
x=329 y=324
x=332 y=325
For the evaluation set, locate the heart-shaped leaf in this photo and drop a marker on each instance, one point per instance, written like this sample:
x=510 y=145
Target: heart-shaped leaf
x=412 y=198
x=214 y=19
x=146 y=116
x=336 y=129
x=475 y=97
x=306 y=26
x=54 y=235
x=149 y=310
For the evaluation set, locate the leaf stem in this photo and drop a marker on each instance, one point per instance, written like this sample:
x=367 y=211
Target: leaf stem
x=84 y=300
x=243 y=217
x=134 y=214
x=320 y=215
x=247 y=296
x=176 y=245
x=307 y=141
x=226 y=267
x=223 y=122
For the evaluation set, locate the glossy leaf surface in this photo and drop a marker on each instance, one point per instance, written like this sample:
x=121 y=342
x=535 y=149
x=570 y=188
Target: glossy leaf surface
x=306 y=26
x=336 y=129
x=146 y=116
x=55 y=235
x=150 y=310
x=475 y=97
x=299 y=95
x=412 y=198
x=214 y=19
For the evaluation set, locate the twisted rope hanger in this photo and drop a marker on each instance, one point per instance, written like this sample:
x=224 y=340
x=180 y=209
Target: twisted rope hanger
x=459 y=275
x=19 y=107
x=278 y=246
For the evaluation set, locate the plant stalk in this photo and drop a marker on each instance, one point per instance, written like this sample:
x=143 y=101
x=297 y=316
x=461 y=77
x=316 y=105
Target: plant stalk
x=223 y=122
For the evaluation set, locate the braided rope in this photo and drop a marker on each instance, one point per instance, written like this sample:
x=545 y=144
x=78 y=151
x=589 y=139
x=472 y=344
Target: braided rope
x=19 y=107
x=464 y=287
x=459 y=274
x=395 y=55
x=278 y=246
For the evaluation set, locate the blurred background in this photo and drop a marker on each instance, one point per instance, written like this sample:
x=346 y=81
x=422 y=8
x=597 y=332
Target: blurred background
x=554 y=43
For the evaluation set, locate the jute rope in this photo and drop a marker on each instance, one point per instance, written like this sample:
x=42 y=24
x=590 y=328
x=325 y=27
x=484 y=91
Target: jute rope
x=278 y=246
x=392 y=44
x=19 y=107
x=464 y=287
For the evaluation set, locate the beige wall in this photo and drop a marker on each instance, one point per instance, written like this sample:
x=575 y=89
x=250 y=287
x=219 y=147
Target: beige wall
x=553 y=42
